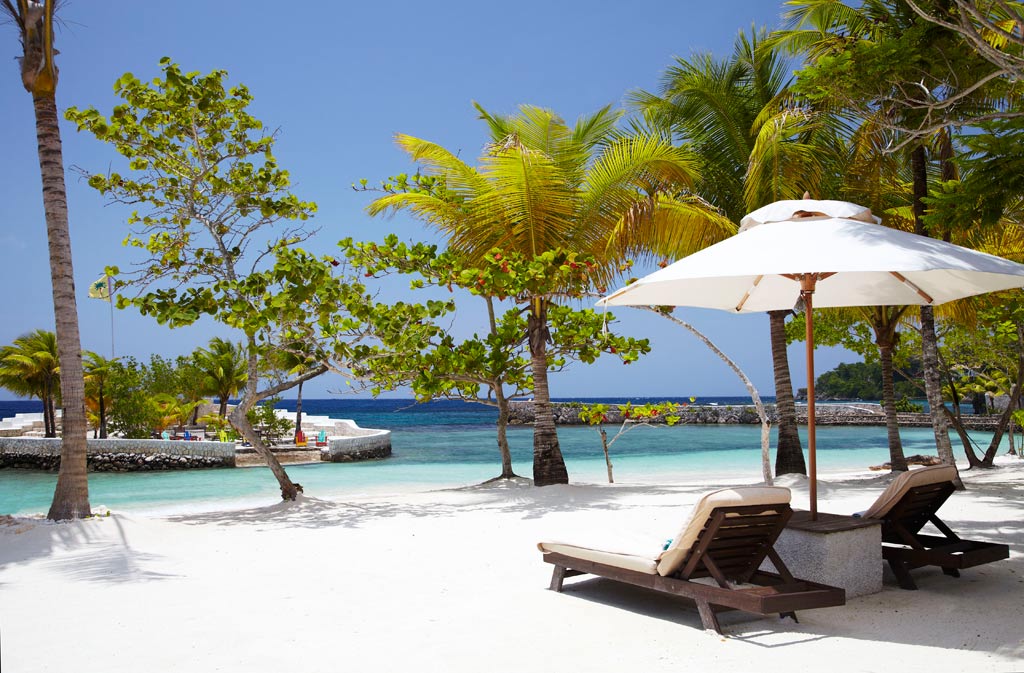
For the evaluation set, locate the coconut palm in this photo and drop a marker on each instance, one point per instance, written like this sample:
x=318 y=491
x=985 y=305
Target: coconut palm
x=896 y=65
x=543 y=185
x=294 y=360
x=224 y=370
x=97 y=371
x=34 y=20
x=755 y=143
x=30 y=367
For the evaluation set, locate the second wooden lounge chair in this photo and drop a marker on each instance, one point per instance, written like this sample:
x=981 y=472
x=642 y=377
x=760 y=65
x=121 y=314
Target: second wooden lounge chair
x=729 y=535
x=910 y=502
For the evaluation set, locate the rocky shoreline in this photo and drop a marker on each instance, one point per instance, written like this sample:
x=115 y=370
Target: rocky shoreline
x=567 y=413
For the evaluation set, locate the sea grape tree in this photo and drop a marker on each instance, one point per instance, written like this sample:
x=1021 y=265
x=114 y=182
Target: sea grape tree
x=633 y=417
x=493 y=366
x=219 y=234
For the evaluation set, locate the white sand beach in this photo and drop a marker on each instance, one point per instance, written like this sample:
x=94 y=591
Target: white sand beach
x=452 y=581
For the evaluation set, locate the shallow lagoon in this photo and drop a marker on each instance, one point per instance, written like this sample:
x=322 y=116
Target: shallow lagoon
x=458 y=454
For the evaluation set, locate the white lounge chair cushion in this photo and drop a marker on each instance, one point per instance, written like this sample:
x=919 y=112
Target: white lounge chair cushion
x=935 y=474
x=641 y=563
x=668 y=561
x=672 y=558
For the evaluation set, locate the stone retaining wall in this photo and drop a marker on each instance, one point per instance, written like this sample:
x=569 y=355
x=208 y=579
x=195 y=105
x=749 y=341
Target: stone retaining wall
x=567 y=413
x=365 y=447
x=118 y=455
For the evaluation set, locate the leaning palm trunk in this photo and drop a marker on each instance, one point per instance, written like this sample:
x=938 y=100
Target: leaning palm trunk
x=548 y=464
x=71 y=497
x=897 y=461
x=789 y=455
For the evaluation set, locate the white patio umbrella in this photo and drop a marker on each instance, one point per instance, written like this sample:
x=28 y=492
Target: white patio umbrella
x=829 y=253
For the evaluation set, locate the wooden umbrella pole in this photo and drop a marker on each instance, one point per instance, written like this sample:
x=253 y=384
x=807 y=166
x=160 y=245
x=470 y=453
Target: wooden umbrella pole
x=807 y=284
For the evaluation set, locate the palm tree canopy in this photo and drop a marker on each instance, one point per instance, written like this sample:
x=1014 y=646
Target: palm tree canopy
x=542 y=185
x=754 y=142
x=29 y=366
x=223 y=366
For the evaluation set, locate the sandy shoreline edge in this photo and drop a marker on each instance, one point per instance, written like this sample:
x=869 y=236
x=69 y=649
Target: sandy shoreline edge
x=450 y=580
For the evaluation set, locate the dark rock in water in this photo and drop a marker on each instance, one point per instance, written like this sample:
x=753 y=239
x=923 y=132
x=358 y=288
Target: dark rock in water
x=918 y=459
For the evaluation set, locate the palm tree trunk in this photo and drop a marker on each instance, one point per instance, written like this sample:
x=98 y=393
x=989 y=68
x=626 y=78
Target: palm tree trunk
x=49 y=425
x=298 y=410
x=929 y=341
x=71 y=497
x=789 y=455
x=548 y=464
x=223 y=407
x=897 y=461
x=103 y=414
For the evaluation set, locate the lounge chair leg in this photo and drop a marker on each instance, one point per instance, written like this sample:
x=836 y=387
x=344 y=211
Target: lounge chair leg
x=783 y=615
x=708 y=616
x=899 y=569
x=556 y=578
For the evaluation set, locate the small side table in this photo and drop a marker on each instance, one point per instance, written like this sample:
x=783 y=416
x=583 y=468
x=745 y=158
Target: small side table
x=841 y=551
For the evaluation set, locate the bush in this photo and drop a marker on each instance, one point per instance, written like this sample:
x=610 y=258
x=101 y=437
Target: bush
x=905 y=405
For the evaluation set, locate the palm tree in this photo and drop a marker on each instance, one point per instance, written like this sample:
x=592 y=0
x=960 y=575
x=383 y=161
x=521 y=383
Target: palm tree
x=755 y=143
x=224 y=371
x=34 y=20
x=97 y=371
x=294 y=360
x=30 y=367
x=543 y=185
x=902 y=65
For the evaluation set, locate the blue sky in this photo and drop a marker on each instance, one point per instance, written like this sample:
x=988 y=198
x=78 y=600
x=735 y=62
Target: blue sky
x=339 y=80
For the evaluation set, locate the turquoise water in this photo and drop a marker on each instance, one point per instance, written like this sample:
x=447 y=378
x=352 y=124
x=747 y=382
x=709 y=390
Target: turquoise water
x=438 y=455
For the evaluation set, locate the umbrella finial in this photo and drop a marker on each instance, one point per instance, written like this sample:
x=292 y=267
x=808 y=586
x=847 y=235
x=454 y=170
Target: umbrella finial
x=807 y=195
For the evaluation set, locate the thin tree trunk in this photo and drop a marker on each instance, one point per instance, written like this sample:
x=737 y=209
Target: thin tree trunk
x=238 y=419
x=897 y=461
x=766 y=466
x=607 y=456
x=289 y=490
x=503 y=415
x=103 y=414
x=223 y=407
x=789 y=455
x=49 y=423
x=1006 y=417
x=548 y=464
x=929 y=341
x=71 y=496
x=298 y=410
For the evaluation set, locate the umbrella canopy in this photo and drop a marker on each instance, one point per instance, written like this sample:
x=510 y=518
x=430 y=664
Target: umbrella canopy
x=859 y=263
x=829 y=253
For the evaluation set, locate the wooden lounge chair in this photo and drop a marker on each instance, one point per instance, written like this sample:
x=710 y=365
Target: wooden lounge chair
x=727 y=538
x=321 y=438
x=911 y=501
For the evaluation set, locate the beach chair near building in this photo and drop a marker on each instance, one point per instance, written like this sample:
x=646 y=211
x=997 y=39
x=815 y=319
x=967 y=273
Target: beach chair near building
x=911 y=501
x=300 y=438
x=321 y=438
x=730 y=533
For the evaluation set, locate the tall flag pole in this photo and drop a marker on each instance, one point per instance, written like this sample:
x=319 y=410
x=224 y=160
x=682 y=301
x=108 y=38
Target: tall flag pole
x=101 y=289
